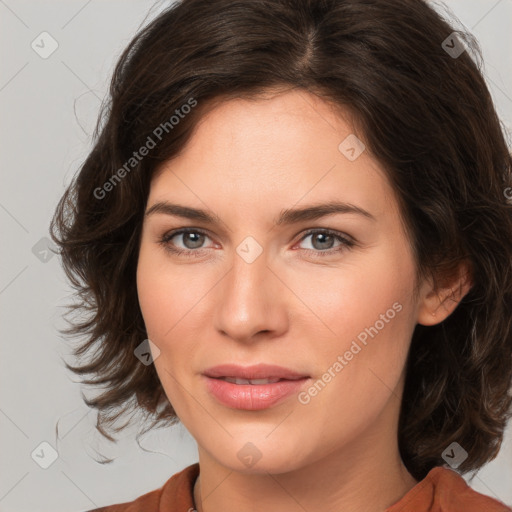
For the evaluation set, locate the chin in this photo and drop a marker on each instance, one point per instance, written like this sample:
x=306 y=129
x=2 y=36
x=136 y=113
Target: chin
x=261 y=455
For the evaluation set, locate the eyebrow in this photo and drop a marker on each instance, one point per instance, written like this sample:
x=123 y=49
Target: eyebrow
x=286 y=216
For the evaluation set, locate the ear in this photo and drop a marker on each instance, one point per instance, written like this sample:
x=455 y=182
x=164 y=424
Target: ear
x=434 y=306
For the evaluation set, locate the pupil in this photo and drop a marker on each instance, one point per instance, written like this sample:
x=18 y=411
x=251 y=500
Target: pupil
x=322 y=235
x=197 y=242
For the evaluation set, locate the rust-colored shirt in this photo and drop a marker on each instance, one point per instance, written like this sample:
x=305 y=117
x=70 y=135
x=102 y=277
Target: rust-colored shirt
x=442 y=490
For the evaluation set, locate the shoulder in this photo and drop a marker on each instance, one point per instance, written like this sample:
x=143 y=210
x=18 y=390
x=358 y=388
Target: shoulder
x=175 y=495
x=444 y=490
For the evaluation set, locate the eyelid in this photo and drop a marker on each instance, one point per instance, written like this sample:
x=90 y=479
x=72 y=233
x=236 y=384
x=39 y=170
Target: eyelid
x=346 y=242
x=166 y=237
x=178 y=231
x=186 y=229
x=332 y=232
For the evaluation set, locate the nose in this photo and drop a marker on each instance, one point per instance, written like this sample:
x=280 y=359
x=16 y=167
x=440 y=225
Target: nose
x=251 y=301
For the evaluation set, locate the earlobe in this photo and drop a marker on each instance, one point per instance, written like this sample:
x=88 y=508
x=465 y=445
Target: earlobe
x=437 y=305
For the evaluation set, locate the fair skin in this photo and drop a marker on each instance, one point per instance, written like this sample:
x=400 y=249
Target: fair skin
x=246 y=162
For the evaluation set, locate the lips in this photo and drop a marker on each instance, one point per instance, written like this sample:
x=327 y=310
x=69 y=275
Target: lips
x=261 y=372
x=236 y=380
x=253 y=388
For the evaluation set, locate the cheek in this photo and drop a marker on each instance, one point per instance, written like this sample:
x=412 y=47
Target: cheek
x=164 y=299
x=165 y=293
x=173 y=302
x=355 y=297
x=153 y=300
x=156 y=293
x=366 y=318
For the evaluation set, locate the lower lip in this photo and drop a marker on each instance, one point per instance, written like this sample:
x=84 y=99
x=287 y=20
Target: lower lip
x=252 y=397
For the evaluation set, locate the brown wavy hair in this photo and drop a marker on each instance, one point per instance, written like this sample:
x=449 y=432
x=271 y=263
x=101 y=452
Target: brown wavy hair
x=426 y=115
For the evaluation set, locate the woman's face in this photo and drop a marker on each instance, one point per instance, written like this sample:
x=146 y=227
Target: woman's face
x=247 y=290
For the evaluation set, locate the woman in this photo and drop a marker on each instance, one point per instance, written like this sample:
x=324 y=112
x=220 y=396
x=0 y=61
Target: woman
x=293 y=236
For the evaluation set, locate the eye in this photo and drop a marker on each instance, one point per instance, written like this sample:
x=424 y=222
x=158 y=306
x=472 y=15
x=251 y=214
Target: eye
x=322 y=241
x=193 y=240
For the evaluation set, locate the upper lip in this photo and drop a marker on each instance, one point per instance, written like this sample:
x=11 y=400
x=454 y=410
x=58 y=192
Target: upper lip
x=258 y=371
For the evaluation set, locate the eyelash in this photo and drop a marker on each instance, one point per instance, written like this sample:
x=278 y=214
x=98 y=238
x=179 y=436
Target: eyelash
x=346 y=242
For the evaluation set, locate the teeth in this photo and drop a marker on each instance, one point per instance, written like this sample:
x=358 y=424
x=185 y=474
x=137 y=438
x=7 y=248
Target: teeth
x=250 y=381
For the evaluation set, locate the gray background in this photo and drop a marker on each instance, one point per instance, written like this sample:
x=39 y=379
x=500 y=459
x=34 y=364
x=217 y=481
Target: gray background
x=48 y=112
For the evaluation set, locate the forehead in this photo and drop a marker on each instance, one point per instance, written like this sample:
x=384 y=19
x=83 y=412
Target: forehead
x=282 y=147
